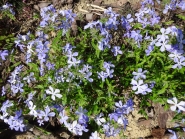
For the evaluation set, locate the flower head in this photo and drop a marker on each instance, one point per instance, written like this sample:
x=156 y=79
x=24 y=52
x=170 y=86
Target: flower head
x=53 y=93
x=180 y=105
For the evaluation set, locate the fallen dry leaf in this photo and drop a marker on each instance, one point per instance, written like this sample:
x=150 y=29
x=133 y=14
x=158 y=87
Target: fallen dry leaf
x=158 y=133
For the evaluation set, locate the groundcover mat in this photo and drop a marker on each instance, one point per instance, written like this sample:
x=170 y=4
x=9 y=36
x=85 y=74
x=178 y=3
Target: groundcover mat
x=92 y=69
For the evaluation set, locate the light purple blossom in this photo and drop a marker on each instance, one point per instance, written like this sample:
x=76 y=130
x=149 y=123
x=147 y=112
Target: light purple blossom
x=94 y=135
x=63 y=117
x=164 y=36
x=110 y=130
x=76 y=128
x=140 y=74
x=164 y=45
x=140 y=87
x=32 y=107
x=174 y=134
x=116 y=50
x=53 y=93
x=99 y=120
x=3 y=54
x=45 y=114
x=123 y=121
x=179 y=63
x=30 y=78
x=175 y=104
x=176 y=55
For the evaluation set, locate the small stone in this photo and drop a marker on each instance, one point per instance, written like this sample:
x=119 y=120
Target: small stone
x=89 y=17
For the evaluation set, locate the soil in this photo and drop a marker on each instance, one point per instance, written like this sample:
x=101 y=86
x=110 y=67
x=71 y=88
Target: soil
x=139 y=127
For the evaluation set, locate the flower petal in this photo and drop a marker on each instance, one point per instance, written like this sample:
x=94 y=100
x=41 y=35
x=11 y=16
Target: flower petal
x=173 y=108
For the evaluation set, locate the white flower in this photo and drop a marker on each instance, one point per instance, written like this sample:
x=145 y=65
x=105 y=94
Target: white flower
x=53 y=93
x=75 y=128
x=99 y=120
x=32 y=109
x=180 y=106
x=94 y=136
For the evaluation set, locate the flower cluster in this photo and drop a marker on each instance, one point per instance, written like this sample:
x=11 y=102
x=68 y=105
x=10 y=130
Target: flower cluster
x=108 y=71
x=173 y=5
x=119 y=116
x=138 y=85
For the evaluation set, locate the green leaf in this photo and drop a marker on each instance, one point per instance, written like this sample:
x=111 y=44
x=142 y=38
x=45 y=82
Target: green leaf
x=181 y=16
x=169 y=22
x=163 y=90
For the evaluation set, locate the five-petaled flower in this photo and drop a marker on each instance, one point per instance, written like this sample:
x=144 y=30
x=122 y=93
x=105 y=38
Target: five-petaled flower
x=180 y=105
x=53 y=93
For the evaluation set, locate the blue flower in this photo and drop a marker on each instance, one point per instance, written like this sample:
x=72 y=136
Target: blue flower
x=110 y=130
x=164 y=45
x=76 y=128
x=102 y=75
x=181 y=5
x=176 y=55
x=174 y=134
x=116 y=50
x=140 y=87
x=63 y=118
x=123 y=121
x=6 y=105
x=91 y=24
x=3 y=54
x=149 y=50
x=70 y=16
x=18 y=87
x=45 y=114
x=30 y=78
x=3 y=91
x=73 y=62
x=94 y=135
x=179 y=63
x=140 y=74
x=99 y=120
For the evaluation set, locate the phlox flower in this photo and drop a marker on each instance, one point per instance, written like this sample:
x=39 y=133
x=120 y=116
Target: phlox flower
x=108 y=65
x=44 y=115
x=3 y=91
x=73 y=62
x=6 y=105
x=174 y=134
x=99 y=120
x=140 y=74
x=75 y=128
x=91 y=24
x=102 y=75
x=63 y=117
x=81 y=111
x=164 y=45
x=53 y=93
x=116 y=50
x=123 y=121
x=3 y=54
x=180 y=105
x=94 y=135
x=110 y=130
x=164 y=35
x=180 y=39
x=139 y=86
x=32 y=109
x=181 y=5
x=176 y=55
x=179 y=63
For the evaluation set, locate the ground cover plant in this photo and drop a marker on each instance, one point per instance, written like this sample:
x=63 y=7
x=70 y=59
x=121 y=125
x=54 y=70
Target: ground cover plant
x=76 y=79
